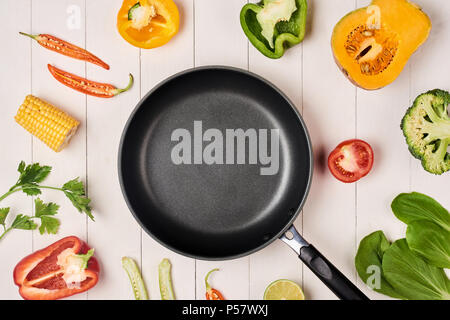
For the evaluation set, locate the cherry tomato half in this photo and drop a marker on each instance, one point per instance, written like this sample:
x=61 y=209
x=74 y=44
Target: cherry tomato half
x=351 y=160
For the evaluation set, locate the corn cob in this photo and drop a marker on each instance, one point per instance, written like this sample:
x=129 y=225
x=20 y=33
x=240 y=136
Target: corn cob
x=46 y=122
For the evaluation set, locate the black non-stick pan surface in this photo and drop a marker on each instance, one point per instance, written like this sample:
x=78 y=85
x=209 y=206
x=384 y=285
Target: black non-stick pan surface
x=225 y=208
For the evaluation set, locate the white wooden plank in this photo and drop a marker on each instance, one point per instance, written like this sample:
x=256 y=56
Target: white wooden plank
x=329 y=112
x=115 y=233
x=390 y=174
x=15 y=84
x=70 y=163
x=378 y=122
x=156 y=65
x=277 y=261
x=218 y=35
x=220 y=41
x=429 y=71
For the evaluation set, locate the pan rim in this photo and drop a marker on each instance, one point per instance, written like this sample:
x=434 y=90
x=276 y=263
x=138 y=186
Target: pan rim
x=211 y=68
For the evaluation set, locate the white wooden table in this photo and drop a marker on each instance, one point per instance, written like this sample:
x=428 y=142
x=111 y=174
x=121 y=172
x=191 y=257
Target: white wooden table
x=336 y=215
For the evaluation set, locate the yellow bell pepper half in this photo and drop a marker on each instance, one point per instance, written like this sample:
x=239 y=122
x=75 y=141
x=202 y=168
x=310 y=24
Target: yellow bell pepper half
x=148 y=23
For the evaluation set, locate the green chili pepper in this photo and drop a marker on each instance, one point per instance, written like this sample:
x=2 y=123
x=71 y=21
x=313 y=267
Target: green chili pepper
x=137 y=284
x=165 y=280
x=272 y=26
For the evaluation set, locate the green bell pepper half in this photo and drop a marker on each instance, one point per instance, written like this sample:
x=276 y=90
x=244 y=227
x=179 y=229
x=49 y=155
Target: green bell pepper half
x=286 y=34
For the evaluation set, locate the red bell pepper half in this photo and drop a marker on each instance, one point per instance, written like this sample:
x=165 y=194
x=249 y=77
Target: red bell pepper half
x=60 y=270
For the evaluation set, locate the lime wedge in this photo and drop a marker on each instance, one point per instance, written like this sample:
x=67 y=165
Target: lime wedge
x=283 y=290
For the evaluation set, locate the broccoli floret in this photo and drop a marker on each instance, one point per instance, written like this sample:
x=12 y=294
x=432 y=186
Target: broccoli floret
x=426 y=126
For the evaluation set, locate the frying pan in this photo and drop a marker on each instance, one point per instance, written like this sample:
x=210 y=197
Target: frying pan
x=216 y=163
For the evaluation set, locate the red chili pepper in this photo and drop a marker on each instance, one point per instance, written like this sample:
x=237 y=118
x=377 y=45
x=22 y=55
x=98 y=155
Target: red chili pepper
x=64 y=268
x=97 y=89
x=211 y=293
x=55 y=44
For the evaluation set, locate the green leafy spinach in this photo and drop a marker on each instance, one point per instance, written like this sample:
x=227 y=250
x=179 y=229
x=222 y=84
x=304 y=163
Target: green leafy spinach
x=410 y=268
x=368 y=262
x=412 y=276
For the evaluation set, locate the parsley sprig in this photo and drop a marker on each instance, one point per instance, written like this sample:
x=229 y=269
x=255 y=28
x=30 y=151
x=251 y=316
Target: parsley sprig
x=29 y=182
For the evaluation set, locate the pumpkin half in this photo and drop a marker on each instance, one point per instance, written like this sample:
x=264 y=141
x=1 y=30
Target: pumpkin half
x=371 y=45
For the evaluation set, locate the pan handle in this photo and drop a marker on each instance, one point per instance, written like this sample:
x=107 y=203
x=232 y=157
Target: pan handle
x=343 y=288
